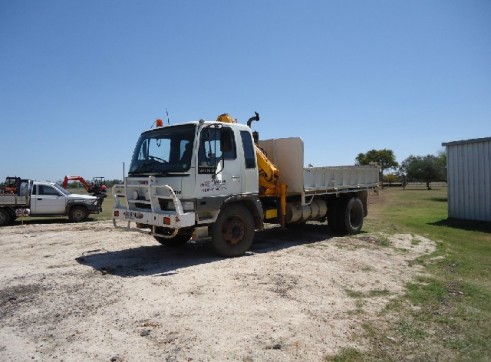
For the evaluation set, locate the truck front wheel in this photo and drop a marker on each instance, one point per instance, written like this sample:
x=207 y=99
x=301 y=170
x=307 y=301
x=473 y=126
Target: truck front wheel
x=5 y=218
x=78 y=214
x=233 y=231
x=180 y=239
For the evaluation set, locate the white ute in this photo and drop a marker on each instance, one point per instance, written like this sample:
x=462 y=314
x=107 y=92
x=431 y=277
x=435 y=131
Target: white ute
x=34 y=198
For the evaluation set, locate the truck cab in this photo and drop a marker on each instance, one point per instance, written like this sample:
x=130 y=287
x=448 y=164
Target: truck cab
x=181 y=176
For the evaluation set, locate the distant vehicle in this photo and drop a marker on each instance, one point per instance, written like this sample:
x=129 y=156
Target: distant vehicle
x=34 y=198
x=96 y=187
x=11 y=185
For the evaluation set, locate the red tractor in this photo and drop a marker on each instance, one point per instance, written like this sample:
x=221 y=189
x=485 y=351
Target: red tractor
x=11 y=185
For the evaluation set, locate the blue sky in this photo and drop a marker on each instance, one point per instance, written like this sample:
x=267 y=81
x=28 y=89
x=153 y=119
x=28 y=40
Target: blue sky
x=80 y=80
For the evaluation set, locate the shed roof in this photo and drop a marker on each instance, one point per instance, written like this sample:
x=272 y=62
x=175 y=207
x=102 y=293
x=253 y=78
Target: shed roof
x=474 y=140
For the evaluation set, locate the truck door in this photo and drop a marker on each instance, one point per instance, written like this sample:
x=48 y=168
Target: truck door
x=219 y=173
x=47 y=200
x=250 y=182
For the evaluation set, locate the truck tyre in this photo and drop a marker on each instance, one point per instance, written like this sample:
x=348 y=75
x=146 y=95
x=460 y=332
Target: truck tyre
x=78 y=214
x=5 y=218
x=353 y=216
x=233 y=231
x=178 y=240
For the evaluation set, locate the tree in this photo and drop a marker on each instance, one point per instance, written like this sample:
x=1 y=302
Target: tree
x=442 y=162
x=385 y=159
x=390 y=178
x=427 y=168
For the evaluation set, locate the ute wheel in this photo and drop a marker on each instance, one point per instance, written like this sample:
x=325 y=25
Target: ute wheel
x=233 y=231
x=78 y=214
x=5 y=218
x=178 y=240
x=353 y=214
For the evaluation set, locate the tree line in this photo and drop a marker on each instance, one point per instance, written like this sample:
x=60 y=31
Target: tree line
x=428 y=169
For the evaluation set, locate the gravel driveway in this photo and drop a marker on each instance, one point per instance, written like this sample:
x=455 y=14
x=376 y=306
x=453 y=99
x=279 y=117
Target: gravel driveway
x=90 y=292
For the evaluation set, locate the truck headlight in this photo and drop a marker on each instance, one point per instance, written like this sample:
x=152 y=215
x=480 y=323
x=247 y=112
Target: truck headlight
x=135 y=195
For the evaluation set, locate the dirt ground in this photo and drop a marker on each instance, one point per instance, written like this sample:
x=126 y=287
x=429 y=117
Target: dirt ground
x=91 y=292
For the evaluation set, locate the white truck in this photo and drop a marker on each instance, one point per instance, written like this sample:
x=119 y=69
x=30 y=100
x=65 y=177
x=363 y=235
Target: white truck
x=214 y=180
x=34 y=198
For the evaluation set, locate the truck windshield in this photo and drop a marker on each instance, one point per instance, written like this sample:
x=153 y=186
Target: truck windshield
x=163 y=150
x=61 y=190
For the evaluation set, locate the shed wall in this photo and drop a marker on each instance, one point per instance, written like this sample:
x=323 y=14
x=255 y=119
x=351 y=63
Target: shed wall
x=469 y=180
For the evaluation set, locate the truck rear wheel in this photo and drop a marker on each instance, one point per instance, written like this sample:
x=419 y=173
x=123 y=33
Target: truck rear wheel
x=353 y=216
x=345 y=216
x=78 y=214
x=5 y=218
x=233 y=231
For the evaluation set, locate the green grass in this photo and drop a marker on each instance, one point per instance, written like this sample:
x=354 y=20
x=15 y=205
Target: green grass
x=347 y=354
x=445 y=315
x=369 y=294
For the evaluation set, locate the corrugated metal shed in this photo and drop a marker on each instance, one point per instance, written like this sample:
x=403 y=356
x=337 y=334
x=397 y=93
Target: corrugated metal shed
x=469 y=179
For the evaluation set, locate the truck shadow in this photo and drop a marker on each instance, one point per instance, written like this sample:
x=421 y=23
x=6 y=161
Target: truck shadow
x=158 y=260
x=155 y=260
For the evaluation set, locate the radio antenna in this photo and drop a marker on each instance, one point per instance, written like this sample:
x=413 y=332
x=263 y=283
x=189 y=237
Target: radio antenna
x=168 y=118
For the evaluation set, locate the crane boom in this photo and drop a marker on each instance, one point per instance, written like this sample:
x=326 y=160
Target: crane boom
x=269 y=174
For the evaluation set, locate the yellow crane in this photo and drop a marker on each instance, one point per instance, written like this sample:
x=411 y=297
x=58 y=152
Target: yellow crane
x=269 y=174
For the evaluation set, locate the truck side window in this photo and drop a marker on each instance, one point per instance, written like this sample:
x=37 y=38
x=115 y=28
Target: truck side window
x=249 y=153
x=208 y=147
x=186 y=150
x=227 y=144
x=214 y=144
